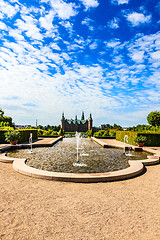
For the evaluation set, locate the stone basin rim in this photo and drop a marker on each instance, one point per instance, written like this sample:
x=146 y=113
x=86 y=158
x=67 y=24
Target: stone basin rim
x=136 y=167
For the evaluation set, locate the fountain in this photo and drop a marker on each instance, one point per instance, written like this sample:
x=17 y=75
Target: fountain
x=78 y=163
x=30 y=142
x=83 y=151
x=129 y=148
x=69 y=156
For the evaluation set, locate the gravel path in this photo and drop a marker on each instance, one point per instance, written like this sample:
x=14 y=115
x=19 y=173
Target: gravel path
x=46 y=210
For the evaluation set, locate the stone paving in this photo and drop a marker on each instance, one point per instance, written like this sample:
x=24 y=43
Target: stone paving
x=118 y=144
x=40 y=142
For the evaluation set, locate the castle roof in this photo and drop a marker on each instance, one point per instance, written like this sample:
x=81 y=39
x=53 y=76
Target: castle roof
x=76 y=121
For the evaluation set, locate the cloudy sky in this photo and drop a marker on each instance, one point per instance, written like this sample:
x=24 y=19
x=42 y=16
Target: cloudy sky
x=98 y=56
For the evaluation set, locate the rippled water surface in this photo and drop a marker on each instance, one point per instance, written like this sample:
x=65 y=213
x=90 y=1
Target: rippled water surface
x=62 y=157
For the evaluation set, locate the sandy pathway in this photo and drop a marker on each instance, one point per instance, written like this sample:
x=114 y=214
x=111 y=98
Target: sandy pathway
x=35 y=209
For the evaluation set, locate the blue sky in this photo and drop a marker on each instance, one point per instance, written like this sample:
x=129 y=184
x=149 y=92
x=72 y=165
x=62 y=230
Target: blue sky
x=97 y=56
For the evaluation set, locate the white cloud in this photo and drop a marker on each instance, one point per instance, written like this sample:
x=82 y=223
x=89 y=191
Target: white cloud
x=120 y=2
x=137 y=56
x=66 y=56
x=7 y=10
x=29 y=27
x=68 y=26
x=16 y=34
x=55 y=46
x=88 y=22
x=114 y=24
x=113 y=43
x=90 y=3
x=62 y=9
x=156 y=55
x=138 y=18
x=3 y=26
x=46 y=21
x=93 y=46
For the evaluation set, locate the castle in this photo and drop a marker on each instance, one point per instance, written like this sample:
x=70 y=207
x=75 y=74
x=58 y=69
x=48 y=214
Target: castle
x=70 y=125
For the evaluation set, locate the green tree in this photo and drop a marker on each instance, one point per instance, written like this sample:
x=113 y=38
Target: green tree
x=5 y=119
x=1 y=112
x=118 y=127
x=153 y=118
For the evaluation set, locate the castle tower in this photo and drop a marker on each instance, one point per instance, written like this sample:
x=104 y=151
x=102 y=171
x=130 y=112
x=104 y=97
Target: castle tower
x=63 y=122
x=63 y=116
x=82 y=118
x=90 y=122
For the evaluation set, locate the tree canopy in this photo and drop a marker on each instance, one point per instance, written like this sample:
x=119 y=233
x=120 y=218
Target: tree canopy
x=5 y=119
x=153 y=118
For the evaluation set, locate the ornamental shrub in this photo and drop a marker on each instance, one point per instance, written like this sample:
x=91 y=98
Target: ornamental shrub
x=112 y=133
x=12 y=136
x=54 y=134
x=89 y=133
x=102 y=134
x=105 y=134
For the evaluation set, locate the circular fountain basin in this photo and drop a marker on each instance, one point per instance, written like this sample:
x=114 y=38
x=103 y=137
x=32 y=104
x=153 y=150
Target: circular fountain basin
x=91 y=159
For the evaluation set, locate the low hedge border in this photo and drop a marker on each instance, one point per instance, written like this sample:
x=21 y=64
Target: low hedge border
x=153 y=139
x=24 y=135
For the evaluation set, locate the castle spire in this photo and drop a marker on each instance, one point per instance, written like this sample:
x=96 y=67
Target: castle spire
x=82 y=118
x=63 y=116
x=90 y=116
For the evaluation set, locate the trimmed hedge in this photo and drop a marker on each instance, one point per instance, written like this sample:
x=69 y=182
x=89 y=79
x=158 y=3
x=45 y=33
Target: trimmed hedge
x=153 y=139
x=131 y=136
x=25 y=134
x=2 y=136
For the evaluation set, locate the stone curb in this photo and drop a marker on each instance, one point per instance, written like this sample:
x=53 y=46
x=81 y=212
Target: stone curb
x=136 y=167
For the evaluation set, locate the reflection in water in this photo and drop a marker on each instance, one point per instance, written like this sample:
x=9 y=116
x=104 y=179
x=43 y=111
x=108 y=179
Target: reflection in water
x=94 y=158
